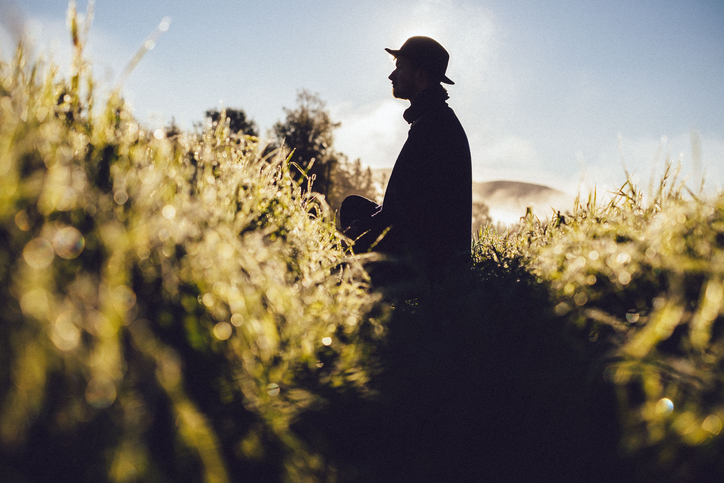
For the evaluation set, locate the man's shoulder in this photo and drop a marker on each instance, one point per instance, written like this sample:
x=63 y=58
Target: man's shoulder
x=442 y=119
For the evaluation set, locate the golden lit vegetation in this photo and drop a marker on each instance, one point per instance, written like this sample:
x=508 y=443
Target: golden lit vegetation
x=124 y=251
x=646 y=280
x=179 y=308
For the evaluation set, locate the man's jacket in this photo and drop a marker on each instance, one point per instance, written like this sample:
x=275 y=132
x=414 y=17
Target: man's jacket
x=428 y=201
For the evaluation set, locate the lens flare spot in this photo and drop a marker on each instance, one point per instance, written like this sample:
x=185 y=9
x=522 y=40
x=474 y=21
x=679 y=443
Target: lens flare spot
x=68 y=243
x=38 y=253
x=222 y=330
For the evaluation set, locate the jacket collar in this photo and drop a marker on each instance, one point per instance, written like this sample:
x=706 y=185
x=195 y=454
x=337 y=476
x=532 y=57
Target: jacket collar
x=431 y=98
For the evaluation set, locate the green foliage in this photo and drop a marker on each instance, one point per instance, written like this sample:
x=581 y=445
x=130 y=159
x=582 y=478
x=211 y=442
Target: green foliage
x=162 y=299
x=236 y=119
x=308 y=131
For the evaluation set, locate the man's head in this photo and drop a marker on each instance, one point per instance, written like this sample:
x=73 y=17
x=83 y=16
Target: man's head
x=420 y=62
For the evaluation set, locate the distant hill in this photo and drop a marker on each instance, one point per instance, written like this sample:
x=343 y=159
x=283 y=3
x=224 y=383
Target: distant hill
x=508 y=200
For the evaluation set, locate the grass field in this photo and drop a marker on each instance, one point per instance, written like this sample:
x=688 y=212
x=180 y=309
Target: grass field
x=178 y=308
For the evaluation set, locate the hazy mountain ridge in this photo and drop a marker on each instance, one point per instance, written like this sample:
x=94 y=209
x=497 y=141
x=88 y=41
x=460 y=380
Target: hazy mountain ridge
x=508 y=200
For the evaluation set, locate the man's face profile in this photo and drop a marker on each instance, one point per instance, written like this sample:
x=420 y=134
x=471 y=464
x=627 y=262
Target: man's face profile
x=405 y=79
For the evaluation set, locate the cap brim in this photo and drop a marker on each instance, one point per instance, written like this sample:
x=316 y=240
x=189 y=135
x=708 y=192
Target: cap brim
x=394 y=53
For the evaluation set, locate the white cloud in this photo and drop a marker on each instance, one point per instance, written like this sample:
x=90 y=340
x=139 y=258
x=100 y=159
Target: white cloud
x=374 y=132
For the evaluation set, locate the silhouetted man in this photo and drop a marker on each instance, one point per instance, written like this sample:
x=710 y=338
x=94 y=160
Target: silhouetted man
x=427 y=209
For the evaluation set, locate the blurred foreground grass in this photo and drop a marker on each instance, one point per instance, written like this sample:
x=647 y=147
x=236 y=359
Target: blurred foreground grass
x=180 y=309
x=158 y=288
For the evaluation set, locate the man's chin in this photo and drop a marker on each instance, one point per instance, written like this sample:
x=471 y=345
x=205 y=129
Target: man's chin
x=397 y=94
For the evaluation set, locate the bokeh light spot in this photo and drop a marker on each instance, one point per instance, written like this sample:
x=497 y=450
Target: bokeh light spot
x=664 y=406
x=208 y=299
x=124 y=298
x=632 y=317
x=120 y=197
x=22 y=220
x=712 y=424
x=168 y=212
x=222 y=330
x=38 y=253
x=327 y=341
x=237 y=320
x=65 y=335
x=68 y=243
x=101 y=392
x=35 y=303
x=624 y=277
x=273 y=389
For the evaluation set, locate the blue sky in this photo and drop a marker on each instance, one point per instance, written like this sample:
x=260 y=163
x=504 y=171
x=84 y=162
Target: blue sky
x=555 y=92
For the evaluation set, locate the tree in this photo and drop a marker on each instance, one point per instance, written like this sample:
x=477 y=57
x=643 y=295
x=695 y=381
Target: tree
x=351 y=178
x=308 y=131
x=238 y=122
